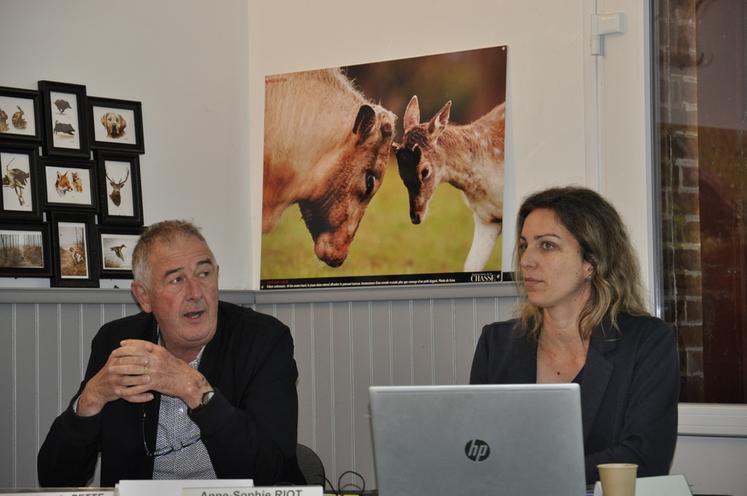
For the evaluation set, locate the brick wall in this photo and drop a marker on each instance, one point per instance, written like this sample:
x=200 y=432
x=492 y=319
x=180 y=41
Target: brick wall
x=678 y=127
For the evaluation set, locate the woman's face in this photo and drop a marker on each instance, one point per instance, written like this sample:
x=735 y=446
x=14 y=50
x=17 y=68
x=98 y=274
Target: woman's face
x=554 y=272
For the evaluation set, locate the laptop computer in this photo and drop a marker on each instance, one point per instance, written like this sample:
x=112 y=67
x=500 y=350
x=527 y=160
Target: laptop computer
x=484 y=439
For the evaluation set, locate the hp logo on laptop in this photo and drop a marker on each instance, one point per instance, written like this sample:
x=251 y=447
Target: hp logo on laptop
x=477 y=450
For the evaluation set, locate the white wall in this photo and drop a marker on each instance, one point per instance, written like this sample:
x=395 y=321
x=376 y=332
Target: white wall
x=624 y=128
x=198 y=68
x=187 y=62
x=548 y=68
x=572 y=117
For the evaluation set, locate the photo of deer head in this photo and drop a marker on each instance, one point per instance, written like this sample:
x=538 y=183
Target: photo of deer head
x=116 y=186
x=120 y=197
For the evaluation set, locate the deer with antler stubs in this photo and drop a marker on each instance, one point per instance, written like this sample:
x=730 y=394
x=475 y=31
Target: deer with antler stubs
x=468 y=157
x=117 y=186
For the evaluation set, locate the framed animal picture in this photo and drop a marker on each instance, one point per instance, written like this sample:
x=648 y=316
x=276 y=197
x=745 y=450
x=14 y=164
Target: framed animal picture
x=20 y=175
x=115 y=249
x=24 y=250
x=120 y=195
x=19 y=116
x=116 y=124
x=65 y=123
x=69 y=184
x=73 y=252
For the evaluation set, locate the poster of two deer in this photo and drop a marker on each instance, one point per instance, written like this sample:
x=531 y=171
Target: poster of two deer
x=385 y=169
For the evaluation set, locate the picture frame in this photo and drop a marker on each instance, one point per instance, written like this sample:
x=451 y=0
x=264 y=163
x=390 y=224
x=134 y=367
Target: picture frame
x=74 y=256
x=116 y=124
x=120 y=193
x=64 y=107
x=115 y=245
x=20 y=117
x=69 y=184
x=19 y=168
x=24 y=250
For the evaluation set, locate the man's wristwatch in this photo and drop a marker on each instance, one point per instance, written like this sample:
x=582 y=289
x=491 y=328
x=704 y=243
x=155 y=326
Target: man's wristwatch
x=206 y=397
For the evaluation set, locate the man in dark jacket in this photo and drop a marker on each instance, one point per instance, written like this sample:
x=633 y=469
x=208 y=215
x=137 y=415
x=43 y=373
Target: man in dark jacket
x=189 y=388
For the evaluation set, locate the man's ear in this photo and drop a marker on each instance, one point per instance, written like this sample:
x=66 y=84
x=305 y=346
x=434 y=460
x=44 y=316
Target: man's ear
x=141 y=295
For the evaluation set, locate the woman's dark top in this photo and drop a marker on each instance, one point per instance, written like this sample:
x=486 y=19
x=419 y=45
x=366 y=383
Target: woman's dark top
x=629 y=387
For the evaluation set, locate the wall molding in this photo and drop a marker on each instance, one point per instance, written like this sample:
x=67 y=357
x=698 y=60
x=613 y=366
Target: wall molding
x=712 y=420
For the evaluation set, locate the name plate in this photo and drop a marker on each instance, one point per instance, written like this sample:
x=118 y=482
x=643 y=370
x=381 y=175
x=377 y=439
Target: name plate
x=65 y=492
x=254 y=491
x=175 y=487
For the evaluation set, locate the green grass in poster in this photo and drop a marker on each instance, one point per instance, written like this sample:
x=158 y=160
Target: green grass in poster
x=386 y=243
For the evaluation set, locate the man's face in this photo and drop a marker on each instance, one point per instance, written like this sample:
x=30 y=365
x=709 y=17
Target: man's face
x=182 y=293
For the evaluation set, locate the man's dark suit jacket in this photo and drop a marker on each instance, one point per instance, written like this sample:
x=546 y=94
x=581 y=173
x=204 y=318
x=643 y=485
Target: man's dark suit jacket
x=629 y=387
x=248 y=427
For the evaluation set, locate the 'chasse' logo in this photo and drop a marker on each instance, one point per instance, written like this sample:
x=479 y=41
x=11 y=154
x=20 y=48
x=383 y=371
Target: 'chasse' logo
x=482 y=277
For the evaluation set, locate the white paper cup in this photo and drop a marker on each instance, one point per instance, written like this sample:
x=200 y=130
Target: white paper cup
x=618 y=479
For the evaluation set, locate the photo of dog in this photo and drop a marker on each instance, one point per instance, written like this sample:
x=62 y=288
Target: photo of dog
x=117 y=124
x=114 y=124
x=73 y=252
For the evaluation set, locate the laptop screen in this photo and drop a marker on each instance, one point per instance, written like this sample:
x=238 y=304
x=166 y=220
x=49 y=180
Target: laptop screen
x=482 y=439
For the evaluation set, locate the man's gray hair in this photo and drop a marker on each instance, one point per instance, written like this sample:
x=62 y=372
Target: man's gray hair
x=162 y=232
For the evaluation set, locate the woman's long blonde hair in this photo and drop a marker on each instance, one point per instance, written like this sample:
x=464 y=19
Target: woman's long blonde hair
x=599 y=230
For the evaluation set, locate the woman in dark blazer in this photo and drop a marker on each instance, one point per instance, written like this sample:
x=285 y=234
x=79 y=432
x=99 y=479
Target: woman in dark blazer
x=583 y=320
